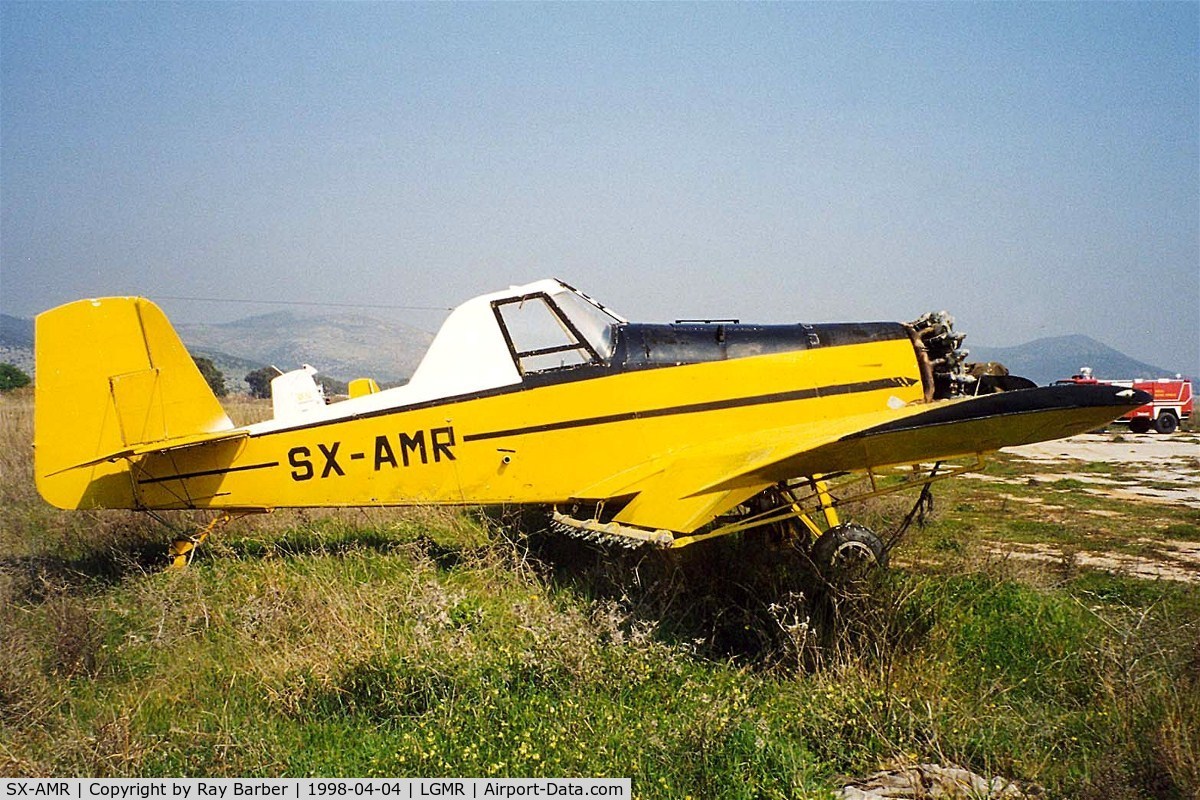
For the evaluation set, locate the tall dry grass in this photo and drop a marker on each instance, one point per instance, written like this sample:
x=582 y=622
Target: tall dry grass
x=428 y=642
x=58 y=546
x=246 y=410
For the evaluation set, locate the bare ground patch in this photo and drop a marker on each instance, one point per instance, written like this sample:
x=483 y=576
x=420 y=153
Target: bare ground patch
x=1171 y=561
x=1150 y=481
x=1152 y=468
x=1114 y=448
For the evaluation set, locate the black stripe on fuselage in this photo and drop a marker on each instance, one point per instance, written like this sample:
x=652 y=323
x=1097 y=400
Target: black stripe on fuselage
x=209 y=472
x=691 y=408
x=640 y=346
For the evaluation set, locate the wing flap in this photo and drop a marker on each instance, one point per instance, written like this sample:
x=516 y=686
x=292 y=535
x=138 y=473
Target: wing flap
x=686 y=489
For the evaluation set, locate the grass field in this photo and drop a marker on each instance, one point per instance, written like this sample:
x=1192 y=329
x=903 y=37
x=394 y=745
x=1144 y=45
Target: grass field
x=434 y=643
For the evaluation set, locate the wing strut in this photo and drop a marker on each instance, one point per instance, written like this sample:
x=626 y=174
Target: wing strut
x=808 y=504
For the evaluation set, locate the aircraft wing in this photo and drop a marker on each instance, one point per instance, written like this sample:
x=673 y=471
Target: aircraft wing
x=686 y=489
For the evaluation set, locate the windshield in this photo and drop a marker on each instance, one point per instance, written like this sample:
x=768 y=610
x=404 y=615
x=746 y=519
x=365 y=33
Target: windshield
x=593 y=323
x=547 y=332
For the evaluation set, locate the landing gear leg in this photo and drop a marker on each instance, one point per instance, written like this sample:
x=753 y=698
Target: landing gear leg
x=829 y=514
x=183 y=549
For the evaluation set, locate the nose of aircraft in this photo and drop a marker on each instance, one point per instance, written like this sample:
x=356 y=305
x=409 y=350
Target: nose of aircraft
x=1118 y=398
x=1134 y=397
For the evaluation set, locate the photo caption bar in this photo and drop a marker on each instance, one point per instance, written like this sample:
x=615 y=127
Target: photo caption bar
x=309 y=788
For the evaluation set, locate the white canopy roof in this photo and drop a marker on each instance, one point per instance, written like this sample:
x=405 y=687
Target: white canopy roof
x=468 y=355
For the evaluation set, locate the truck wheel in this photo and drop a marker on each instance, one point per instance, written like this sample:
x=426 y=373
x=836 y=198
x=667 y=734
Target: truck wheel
x=1139 y=425
x=848 y=550
x=1167 y=422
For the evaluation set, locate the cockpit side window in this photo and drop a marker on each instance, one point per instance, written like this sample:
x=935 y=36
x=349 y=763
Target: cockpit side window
x=541 y=337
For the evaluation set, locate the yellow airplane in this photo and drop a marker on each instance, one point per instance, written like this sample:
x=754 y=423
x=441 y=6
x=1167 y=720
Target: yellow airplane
x=646 y=433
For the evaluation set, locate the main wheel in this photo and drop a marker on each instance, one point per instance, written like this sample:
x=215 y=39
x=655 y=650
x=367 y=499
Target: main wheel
x=849 y=549
x=1167 y=422
x=1139 y=425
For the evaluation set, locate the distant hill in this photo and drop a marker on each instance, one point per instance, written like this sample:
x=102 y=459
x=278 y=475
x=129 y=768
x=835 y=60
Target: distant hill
x=1055 y=358
x=232 y=367
x=16 y=342
x=15 y=331
x=343 y=346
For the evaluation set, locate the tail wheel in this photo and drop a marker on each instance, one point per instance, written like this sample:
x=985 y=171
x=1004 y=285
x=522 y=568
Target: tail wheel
x=849 y=549
x=1140 y=425
x=1167 y=422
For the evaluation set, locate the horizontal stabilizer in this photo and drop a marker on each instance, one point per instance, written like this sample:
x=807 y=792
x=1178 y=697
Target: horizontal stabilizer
x=161 y=446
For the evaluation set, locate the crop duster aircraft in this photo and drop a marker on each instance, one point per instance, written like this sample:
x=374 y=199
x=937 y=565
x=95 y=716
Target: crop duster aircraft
x=666 y=434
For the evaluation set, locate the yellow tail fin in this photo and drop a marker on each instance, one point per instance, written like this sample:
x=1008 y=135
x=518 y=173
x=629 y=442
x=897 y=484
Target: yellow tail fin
x=111 y=375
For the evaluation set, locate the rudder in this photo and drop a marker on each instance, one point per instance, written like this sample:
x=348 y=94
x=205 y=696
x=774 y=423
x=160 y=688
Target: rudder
x=111 y=374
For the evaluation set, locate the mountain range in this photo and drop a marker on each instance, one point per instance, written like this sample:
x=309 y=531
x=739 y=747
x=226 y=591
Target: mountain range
x=1056 y=357
x=349 y=346
x=16 y=342
x=344 y=346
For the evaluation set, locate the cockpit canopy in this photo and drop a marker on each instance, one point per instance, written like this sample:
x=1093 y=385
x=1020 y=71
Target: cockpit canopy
x=497 y=339
x=488 y=342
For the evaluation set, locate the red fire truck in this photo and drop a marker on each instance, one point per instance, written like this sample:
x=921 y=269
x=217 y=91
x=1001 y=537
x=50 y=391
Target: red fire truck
x=1171 y=405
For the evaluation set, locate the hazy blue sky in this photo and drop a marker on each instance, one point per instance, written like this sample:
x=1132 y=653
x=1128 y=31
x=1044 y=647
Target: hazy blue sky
x=1033 y=168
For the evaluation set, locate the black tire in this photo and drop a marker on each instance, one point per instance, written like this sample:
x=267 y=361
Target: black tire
x=1139 y=425
x=849 y=549
x=1167 y=422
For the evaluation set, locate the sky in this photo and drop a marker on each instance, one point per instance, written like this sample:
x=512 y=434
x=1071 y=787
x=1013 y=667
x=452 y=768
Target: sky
x=1032 y=168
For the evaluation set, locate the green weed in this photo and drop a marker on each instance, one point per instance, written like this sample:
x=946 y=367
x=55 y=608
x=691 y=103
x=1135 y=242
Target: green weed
x=431 y=643
x=1189 y=531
